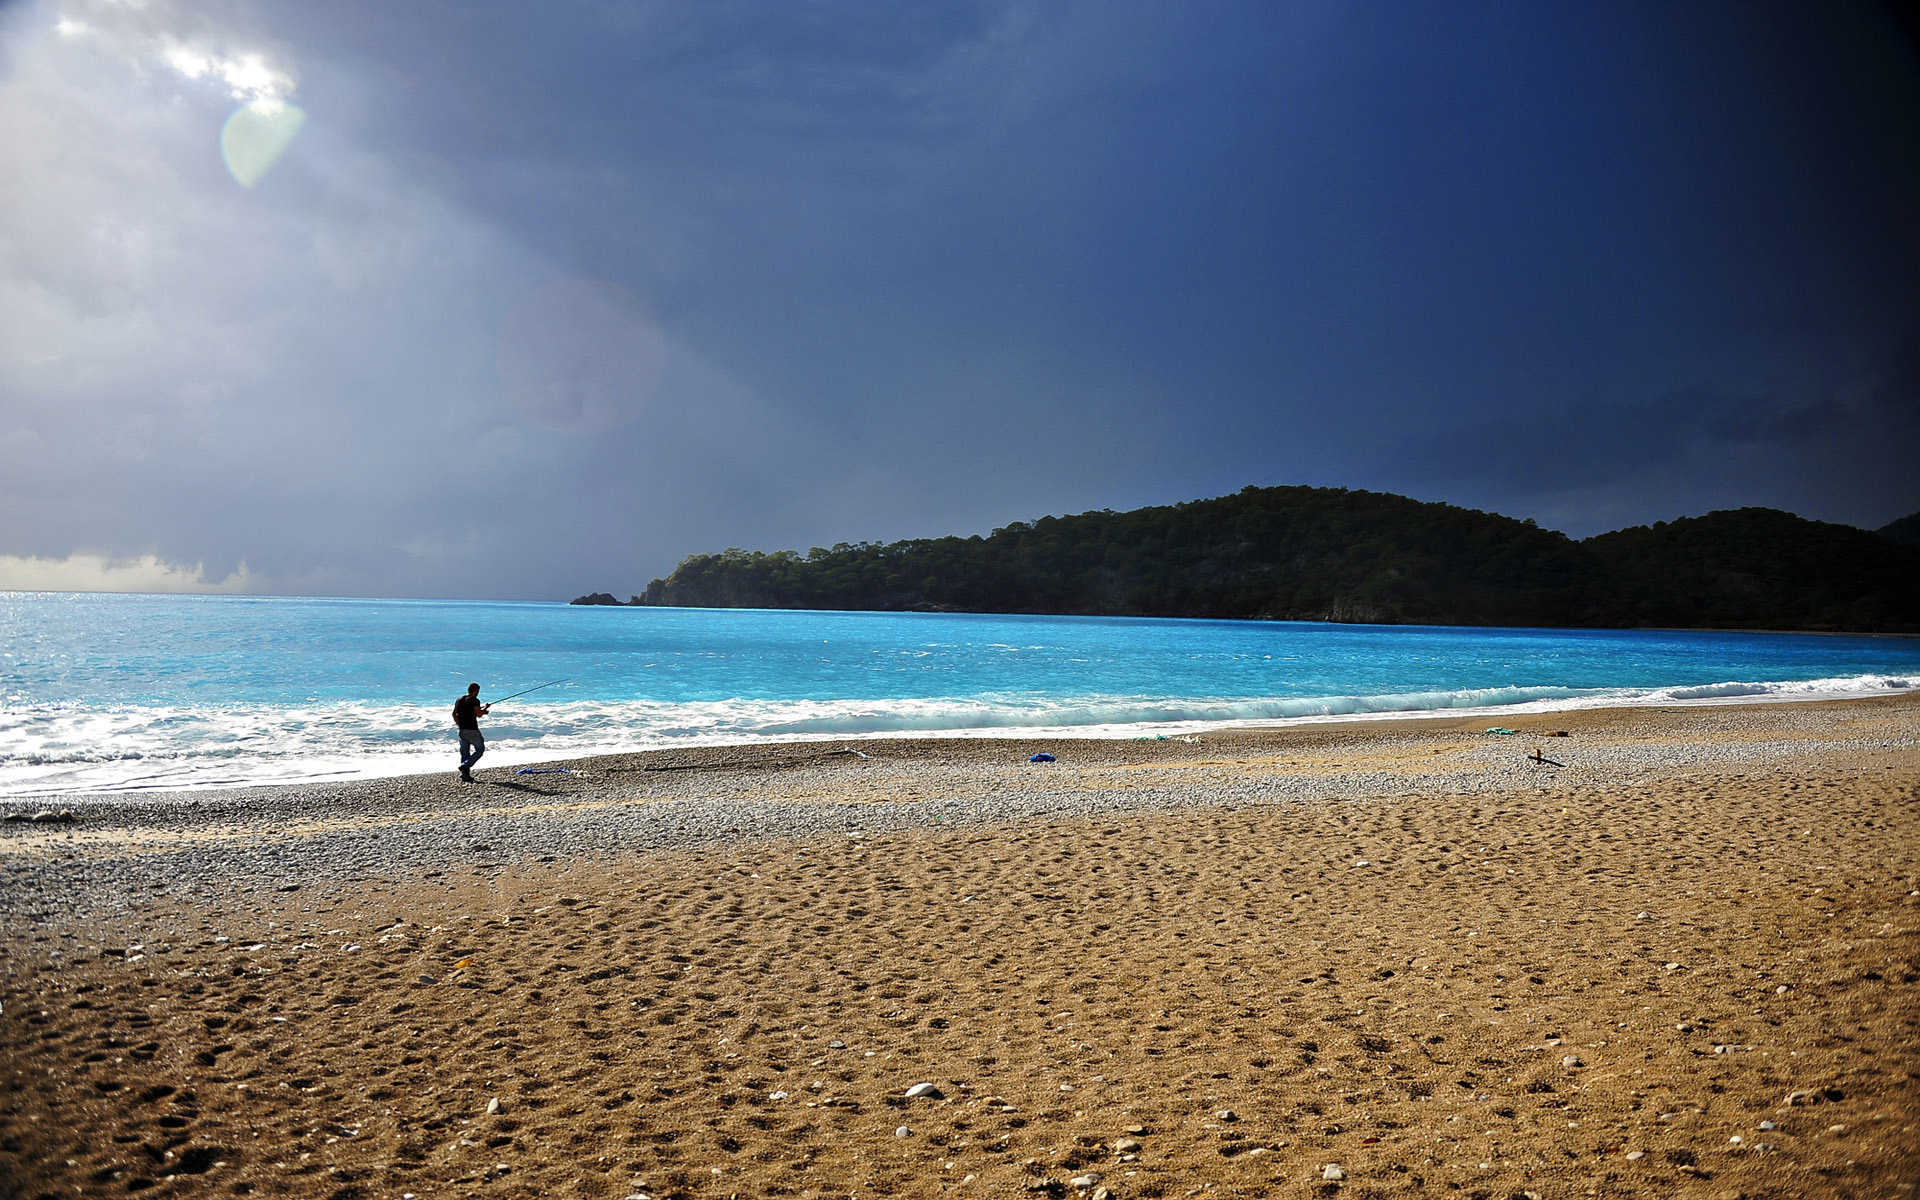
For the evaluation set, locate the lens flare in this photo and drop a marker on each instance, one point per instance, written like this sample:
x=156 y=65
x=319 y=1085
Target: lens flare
x=256 y=135
x=580 y=356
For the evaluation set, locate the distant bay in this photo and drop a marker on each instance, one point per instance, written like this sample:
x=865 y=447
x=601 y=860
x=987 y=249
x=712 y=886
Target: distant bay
x=128 y=692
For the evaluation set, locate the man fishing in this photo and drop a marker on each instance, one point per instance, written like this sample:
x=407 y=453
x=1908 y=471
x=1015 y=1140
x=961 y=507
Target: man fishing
x=467 y=711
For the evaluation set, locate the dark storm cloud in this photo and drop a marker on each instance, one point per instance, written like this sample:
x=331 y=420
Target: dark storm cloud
x=897 y=271
x=1549 y=450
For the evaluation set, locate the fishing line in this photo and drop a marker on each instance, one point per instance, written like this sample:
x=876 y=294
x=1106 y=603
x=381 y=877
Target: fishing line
x=536 y=687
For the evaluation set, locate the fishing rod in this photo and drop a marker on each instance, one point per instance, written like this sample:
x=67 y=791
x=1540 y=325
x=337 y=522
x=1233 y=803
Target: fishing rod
x=536 y=687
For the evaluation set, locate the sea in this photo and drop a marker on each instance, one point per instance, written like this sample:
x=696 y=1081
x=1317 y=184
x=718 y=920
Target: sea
x=137 y=693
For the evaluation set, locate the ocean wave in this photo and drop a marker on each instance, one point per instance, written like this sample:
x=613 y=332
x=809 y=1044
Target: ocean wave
x=71 y=748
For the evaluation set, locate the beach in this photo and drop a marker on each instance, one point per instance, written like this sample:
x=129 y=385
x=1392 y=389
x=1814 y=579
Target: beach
x=1620 y=952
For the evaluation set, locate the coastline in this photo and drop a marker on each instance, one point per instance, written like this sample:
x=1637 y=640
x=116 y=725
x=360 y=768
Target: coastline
x=526 y=751
x=1375 y=943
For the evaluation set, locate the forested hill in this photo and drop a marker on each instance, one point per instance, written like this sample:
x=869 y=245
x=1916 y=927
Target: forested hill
x=1337 y=555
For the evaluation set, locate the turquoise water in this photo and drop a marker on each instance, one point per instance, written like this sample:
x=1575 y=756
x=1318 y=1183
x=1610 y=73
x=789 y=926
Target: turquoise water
x=113 y=692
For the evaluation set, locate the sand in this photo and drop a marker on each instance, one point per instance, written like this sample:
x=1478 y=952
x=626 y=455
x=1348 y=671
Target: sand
x=1389 y=958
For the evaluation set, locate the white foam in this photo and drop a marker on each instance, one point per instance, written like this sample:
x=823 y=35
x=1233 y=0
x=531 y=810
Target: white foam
x=71 y=749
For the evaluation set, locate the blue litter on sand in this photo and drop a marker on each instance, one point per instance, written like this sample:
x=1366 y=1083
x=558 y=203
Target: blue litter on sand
x=543 y=771
x=1041 y=758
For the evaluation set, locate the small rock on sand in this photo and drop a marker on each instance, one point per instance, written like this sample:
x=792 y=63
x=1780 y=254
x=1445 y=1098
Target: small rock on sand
x=1332 y=1171
x=923 y=1089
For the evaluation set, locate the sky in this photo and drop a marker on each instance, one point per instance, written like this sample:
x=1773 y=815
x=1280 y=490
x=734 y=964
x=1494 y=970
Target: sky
x=498 y=300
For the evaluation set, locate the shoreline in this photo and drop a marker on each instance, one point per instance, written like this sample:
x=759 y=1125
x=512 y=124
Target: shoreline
x=1685 y=962
x=518 y=756
x=927 y=743
x=711 y=795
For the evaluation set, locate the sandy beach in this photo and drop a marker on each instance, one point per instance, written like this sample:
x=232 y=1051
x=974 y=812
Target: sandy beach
x=1666 y=953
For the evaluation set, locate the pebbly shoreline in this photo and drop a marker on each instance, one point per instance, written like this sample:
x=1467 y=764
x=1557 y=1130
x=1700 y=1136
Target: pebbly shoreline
x=335 y=834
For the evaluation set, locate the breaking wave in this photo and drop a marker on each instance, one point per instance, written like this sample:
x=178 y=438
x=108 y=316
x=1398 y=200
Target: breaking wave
x=65 y=749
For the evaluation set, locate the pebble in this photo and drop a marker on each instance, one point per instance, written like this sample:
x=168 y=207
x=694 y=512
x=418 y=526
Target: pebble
x=1572 y=1060
x=1085 y=1181
x=903 y=1131
x=923 y=1089
x=1228 y=1115
x=1333 y=1172
x=776 y=1095
x=1636 y=1155
x=836 y=1044
x=1126 y=1146
x=1836 y=1130
x=493 y=1106
x=1645 y=916
x=1768 y=1127
x=1361 y=862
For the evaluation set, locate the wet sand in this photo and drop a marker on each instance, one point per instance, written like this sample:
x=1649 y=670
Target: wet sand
x=1385 y=958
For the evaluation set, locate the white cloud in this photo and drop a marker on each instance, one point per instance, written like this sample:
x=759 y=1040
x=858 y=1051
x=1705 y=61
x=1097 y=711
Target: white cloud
x=96 y=573
x=194 y=42
x=249 y=75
